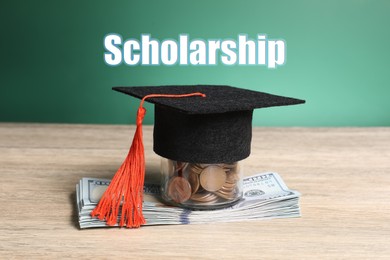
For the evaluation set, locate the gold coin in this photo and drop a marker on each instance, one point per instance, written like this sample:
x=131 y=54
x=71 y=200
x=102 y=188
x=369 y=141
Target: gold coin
x=228 y=186
x=204 y=197
x=230 y=166
x=225 y=190
x=212 y=178
x=232 y=178
x=193 y=179
x=228 y=196
x=180 y=165
x=205 y=165
x=179 y=189
x=195 y=168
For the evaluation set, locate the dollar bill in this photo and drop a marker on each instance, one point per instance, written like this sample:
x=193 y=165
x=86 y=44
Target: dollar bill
x=265 y=196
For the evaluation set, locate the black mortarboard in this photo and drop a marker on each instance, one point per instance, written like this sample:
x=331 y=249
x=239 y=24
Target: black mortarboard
x=213 y=129
x=195 y=124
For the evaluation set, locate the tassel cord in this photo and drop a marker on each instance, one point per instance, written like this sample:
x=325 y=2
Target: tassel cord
x=125 y=193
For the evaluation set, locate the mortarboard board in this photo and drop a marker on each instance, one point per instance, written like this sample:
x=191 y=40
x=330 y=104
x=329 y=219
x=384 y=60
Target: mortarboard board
x=214 y=129
x=197 y=123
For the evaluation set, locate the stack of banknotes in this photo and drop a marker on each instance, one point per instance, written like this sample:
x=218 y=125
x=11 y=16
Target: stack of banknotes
x=265 y=196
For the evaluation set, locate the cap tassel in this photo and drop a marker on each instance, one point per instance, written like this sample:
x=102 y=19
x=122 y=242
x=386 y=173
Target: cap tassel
x=124 y=194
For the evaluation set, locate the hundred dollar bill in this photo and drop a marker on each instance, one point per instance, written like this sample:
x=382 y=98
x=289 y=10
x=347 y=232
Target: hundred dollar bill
x=265 y=196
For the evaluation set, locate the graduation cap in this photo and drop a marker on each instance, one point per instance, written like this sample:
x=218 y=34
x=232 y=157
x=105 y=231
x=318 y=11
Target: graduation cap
x=196 y=124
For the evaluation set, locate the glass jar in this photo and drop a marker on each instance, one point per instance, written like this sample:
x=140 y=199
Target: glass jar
x=200 y=186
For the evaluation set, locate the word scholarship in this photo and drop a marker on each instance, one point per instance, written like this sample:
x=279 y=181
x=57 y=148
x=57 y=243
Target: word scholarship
x=151 y=52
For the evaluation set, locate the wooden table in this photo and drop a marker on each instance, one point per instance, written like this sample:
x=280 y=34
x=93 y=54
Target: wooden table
x=342 y=173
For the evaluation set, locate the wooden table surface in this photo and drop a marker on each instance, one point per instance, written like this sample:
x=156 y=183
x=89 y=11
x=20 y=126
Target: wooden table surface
x=342 y=173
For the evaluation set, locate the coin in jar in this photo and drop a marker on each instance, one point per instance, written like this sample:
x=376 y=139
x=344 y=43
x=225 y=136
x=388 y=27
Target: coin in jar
x=232 y=178
x=226 y=196
x=204 y=197
x=196 y=168
x=193 y=179
x=180 y=166
x=179 y=189
x=212 y=178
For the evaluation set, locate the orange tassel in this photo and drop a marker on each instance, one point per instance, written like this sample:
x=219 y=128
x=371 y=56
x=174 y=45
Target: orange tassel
x=125 y=192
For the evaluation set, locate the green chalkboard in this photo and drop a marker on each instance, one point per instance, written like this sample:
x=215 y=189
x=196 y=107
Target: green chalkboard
x=52 y=66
